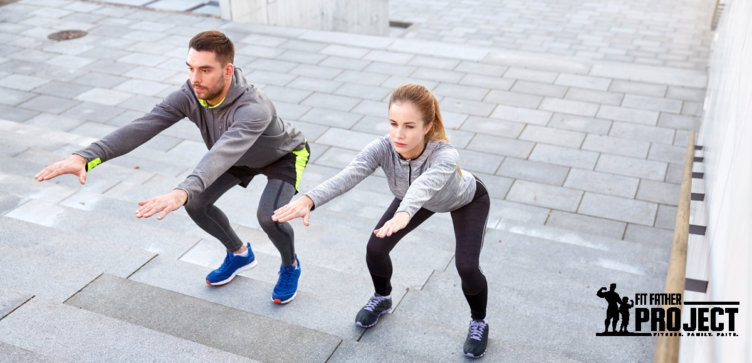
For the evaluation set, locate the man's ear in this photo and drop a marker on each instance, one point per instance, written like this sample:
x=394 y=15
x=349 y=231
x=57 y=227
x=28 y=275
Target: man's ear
x=229 y=69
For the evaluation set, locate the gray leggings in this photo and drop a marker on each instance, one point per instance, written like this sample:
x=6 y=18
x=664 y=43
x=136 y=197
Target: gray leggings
x=211 y=219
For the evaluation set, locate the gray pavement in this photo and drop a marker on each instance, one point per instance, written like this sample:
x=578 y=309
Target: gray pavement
x=576 y=115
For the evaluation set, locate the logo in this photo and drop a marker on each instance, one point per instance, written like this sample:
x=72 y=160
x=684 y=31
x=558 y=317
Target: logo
x=660 y=314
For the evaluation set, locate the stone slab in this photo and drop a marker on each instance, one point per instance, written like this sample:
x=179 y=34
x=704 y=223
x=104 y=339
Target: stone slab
x=544 y=195
x=620 y=209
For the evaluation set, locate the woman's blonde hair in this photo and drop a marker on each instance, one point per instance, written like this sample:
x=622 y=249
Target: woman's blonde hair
x=428 y=106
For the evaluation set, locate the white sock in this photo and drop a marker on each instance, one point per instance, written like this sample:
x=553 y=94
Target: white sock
x=244 y=254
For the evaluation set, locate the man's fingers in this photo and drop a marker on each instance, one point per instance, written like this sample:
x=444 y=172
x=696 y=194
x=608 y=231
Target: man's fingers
x=306 y=218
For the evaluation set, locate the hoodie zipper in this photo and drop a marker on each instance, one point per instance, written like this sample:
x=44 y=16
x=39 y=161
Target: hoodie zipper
x=409 y=172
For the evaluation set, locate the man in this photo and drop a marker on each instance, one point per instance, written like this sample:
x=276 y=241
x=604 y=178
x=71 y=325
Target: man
x=612 y=313
x=245 y=137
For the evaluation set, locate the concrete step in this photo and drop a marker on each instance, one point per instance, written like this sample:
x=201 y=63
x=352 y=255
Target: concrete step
x=68 y=333
x=310 y=310
x=75 y=249
x=12 y=353
x=213 y=325
x=130 y=233
x=11 y=299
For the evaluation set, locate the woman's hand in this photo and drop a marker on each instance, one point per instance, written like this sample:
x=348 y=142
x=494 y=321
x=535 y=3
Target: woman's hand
x=164 y=203
x=398 y=222
x=299 y=208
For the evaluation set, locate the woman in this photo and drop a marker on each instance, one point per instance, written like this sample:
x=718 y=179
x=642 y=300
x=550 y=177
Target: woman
x=423 y=174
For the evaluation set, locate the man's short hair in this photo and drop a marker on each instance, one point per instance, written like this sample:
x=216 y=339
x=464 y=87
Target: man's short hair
x=214 y=41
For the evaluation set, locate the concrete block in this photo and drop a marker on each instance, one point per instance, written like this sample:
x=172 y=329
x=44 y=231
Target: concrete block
x=315 y=71
x=372 y=108
x=331 y=118
x=197 y=320
x=588 y=95
x=544 y=195
x=460 y=92
x=575 y=80
x=663 y=75
x=365 y=78
x=520 y=114
x=22 y=82
x=501 y=146
x=286 y=94
x=388 y=57
x=621 y=165
x=531 y=75
x=12 y=97
x=586 y=224
x=487 y=82
x=625 y=130
x=345 y=51
x=649 y=235
x=440 y=75
x=614 y=145
x=104 y=96
x=314 y=84
x=533 y=171
x=270 y=77
x=344 y=63
x=143 y=59
x=580 y=123
x=374 y=93
x=652 y=103
x=552 y=136
x=620 y=209
x=13 y=353
x=347 y=139
x=686 y=93
x=513 y=99
x=480 y=68
x=659 y=192
x=682 y=122
x=337 y=157
x=643 y=117
x=668 y=153
x=435 y=62
x=438 y=49
x=69 y=333
x=259 y=51
x=602 y=183
x=397 y=81
x=666 y=217
x=478 y=161
x=48 y=104
x=564 y=156
x=539 y=88
x=464 y=106
x=272 y=65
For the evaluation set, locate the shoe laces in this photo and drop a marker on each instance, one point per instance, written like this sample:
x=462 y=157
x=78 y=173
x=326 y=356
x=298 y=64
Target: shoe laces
x=476 y=329
x=286 y=277
x=373 y=301
x=227 y=262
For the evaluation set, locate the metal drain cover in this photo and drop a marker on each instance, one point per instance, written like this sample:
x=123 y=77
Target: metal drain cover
x=67 y=35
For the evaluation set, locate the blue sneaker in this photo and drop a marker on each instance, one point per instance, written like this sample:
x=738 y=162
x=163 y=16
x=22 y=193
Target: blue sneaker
x=232 y=265
x=287 y=284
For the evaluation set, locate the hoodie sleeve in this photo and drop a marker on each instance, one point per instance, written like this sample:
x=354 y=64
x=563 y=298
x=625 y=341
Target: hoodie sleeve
x=361 y=167
x=428 y=184
x=231 y=146
x=123 y=140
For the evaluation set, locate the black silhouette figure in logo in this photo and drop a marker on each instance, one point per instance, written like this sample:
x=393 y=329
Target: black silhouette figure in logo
x=612 y=314
x=624 y=310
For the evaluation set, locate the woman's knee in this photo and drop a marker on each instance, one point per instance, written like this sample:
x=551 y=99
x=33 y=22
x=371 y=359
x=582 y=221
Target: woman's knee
x=468 y=270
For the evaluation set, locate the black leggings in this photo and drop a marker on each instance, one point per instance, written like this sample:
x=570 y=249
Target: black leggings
x=211 y=219
x=469 y=229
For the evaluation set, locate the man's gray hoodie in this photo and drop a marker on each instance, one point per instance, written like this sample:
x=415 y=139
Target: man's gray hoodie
x=430 y=181
x=244 y=130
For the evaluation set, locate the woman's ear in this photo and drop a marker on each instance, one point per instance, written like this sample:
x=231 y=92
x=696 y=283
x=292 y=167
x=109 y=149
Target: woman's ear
x=427 y=128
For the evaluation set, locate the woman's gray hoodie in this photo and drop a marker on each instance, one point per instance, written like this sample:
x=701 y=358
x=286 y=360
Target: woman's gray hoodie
x=430 y=181
x=243 y=130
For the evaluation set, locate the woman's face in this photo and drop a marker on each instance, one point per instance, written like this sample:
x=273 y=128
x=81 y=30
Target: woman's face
x=407 y=129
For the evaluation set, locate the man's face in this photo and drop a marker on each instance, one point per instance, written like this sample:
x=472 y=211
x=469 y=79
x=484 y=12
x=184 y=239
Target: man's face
x=207 y=75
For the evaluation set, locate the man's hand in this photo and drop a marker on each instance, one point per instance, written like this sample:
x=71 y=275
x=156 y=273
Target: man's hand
x=164 y=203
x=299 y=208
x=74 y=164
x=398 y=222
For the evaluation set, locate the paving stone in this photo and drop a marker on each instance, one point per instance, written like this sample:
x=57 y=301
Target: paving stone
x=438 y=49
x=553 y=136
x=96 y=79
x=388 y=57
x=683 y=122
x=392 y=69
x=533 y=171
x=513 y=99
x=628 y=114
x=16 y=354
x=501 y=146
x=435 y=62
x=314 y=84
x=329 y=117
x=140 y=86
x=461 y=92
x=21 y=82
x=340 y=103
x=479 y=68
x=363 y=91
x=659 y=192
x=397 y=81
x=596 y=96
x=315 y=71
x=61 y=89
x=345 y=139
x=49 y=104
x=648 y=235
x=345 y=51
x=646 y=89
x=530 y=75
x=641 y=168
x=464 y=106
x=12 y=97
x=636 y=132
x=487 y=82
x=104 y=96
x=587 y=224
x=564 y=156
x=614 y=145
x=69 y=333
x=664 y=75
x=686 y=93
x=520 y=114
x=439 y=75
x=148 y=306
x=344 y=63
x=666 y=217
x=372 y=108
x=365 y=78
x=270 y=77
x=652 y=103
x=575 y=80
x=544 y=195
x=504 y=210
x=497 y=186
x=480 y=162
x=603 y=183
x=668 y=153
x=538 y=88
x=620 y=209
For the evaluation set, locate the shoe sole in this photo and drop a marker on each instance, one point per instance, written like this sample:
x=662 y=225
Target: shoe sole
x=377 y=319
x=227 y=280
x=470 y=355
x=280 y=302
